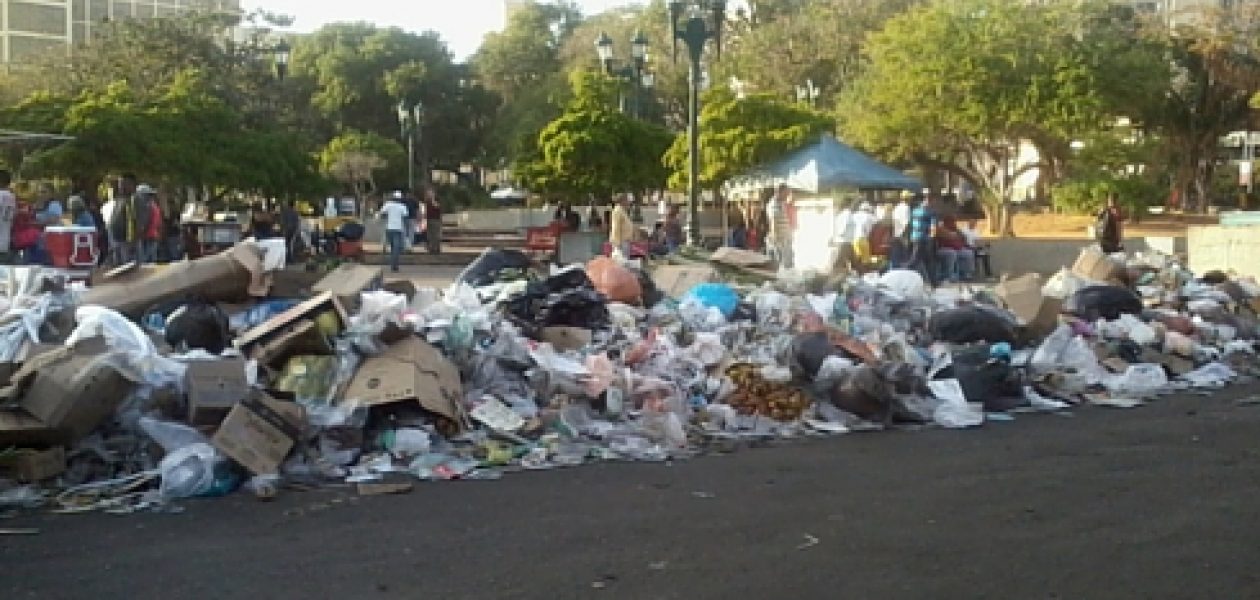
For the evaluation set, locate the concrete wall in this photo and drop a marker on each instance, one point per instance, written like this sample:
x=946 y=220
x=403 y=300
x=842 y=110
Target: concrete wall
x=1226 y=248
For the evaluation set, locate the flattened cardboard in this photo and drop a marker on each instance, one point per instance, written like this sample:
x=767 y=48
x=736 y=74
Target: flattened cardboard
x=566 y=338
x=408 y=370
x=1039 y=314
x=29 y=466
x=676 y=280
x=293 y=283
x=259 y=433
x=350 y=280
x=739 y=258
x=214 y=387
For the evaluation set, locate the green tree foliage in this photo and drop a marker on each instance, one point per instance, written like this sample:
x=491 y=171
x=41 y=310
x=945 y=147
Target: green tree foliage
x=356 y=75
x=364 y=159
x=737 y=134
x=960 y=84
x=592 y=148
x=781 y=45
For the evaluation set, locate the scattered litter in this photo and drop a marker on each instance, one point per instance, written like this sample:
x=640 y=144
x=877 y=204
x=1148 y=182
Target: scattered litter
x=810 y=541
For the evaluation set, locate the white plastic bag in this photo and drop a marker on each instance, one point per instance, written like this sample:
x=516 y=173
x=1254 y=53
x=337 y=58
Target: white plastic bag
x=954 y=412
x=135 y=356
x=1139 y=379
x=904 y=283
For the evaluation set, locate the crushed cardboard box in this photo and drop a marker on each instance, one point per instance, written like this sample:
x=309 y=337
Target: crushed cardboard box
x=259 y=432
x=409 y=370
x=676 y=280
x=348 y=281
x=214 y=387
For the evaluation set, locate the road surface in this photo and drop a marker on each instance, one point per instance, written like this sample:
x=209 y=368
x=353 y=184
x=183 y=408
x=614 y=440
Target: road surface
x=1155 y=502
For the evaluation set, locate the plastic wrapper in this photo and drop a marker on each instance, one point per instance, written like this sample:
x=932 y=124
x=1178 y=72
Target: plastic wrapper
x=714 y=295
x=495 y=264
x=905 y=284
x=1140 y=379
x=191 y=463
x=133 y=353
x=614 y=281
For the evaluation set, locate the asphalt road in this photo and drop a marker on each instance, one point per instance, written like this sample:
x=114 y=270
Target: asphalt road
x=1155 y=502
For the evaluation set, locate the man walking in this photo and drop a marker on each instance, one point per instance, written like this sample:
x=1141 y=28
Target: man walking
x=395 y=214
x=432 y=221
x=779 y=239
x=922 y=241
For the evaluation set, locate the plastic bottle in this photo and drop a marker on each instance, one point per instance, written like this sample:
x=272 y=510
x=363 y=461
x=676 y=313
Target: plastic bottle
x=406 y=442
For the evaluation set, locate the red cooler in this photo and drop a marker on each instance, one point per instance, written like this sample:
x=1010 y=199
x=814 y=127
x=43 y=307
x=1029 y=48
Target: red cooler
x=71 y=247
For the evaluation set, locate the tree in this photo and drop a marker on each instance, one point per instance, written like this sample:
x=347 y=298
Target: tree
x=780 y=46
x=364 y=162
x=959 y=85
x=737 y=134
x=357 y=74
x=592 y=148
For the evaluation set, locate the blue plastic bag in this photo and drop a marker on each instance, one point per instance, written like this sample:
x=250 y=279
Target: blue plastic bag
x=715 y=295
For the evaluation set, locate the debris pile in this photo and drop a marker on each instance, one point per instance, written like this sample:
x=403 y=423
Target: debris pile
x=231 y=372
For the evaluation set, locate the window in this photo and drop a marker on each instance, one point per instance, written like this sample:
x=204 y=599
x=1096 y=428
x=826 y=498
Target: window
x=123 y=10
x=98 y=10
x=27 y=49
x=79 y=33
x=37 y=18
x=80 y=10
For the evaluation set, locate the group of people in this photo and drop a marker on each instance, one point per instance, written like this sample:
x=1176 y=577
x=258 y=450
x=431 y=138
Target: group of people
x=409 y=221
x=618 y=224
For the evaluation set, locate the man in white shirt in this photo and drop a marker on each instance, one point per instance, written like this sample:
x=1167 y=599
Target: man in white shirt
x=8 y=210
x=395 y=214
x=901 y=215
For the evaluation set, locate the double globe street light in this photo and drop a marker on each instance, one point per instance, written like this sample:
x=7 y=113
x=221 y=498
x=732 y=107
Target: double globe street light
x=695 y=23
x=635 y=73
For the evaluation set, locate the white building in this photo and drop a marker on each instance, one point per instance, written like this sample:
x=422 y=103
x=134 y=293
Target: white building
x=34 y=28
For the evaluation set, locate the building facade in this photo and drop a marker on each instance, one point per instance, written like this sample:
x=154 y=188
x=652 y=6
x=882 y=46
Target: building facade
x=33 y=28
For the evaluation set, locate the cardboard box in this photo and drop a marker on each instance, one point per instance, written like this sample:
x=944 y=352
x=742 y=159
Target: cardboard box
x=33 y=465
x=19 y=428
x=350 y=280
x=676 y=280
x=214 y=387
x=259 y=432
x=567 y=338
x=1092 y=264
x=410 y=370
x=1039 y=314
x=70 y=388
x=293 y=283
x=284 y=324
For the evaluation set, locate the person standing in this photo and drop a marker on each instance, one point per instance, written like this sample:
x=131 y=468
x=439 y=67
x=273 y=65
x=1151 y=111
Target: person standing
x=8 y=212
x=620 y=227
x=154 y=232
x=290 y=228
x=922 y=244
x=413 y=216
x=118 y=219
x=1110 y=226
x=863 y=222
x=395 y=214
x=673 y=229
x=779 y=236
x=842 y=237
x=433 y=220
x=136 y=217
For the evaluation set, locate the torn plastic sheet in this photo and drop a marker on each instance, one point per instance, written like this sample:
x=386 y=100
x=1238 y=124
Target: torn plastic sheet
x=134 y=356
x=1213 y=375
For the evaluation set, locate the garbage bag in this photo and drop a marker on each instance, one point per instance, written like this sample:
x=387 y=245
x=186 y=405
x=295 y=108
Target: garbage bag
x=969 y=324
x=198 y=325
x=715 y=295
x=864 y=392
x=616 y=282
x=1104 y=302
x=810 y=351
x=493 y=264
x=351 y=231
x=651 y=295
x=992 y=382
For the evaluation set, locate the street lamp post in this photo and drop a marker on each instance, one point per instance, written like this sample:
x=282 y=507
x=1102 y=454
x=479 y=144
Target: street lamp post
x=410 y=118
x=634 y=73
x=695 y=23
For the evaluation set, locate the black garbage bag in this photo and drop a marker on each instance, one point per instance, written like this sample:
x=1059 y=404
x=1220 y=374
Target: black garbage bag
x=1103 y=302
x=809 y=352
x=565 y=281
x=652 y=295
x=351 y=231
x=493 y=265
x=970 y=324
x=994 y=382
x=744 y=311
x=198 y=325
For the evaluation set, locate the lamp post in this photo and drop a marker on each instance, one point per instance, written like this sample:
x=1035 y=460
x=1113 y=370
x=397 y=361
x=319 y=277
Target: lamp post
x=695 y=23
x=410 y=119
x=808 y=93
x=634 y=73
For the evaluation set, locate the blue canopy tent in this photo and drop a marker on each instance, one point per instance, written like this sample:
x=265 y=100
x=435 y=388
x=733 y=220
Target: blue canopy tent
x=827 y=164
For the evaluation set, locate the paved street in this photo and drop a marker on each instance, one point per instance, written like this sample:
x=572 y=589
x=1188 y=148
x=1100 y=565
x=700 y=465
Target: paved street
x=1157 y=502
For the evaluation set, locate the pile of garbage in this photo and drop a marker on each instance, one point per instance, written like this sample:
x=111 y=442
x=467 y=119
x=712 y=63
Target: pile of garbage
x=231 y=371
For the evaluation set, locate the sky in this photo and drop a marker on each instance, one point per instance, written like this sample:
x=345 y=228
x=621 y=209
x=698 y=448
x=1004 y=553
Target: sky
x=462 y=23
